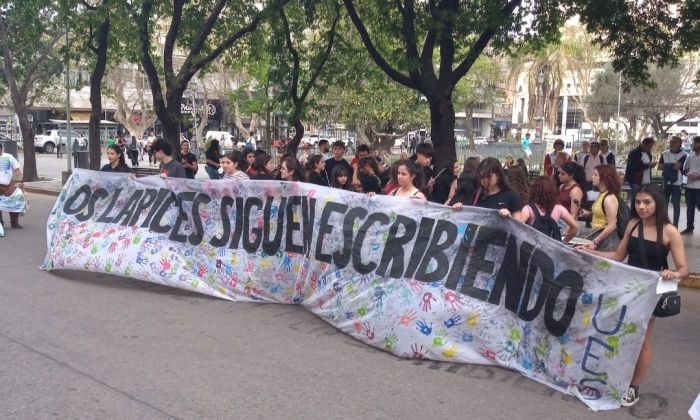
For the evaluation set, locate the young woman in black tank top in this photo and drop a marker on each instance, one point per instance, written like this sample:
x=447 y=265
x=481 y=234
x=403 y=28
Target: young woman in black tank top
x=651 y=227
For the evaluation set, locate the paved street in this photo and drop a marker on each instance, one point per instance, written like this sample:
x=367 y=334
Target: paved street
x=84 y=345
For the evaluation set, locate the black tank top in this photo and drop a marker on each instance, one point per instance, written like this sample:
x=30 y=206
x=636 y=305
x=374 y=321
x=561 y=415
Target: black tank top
x=657 y=256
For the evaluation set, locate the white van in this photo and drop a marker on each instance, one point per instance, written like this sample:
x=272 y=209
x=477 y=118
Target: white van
x=225 y=140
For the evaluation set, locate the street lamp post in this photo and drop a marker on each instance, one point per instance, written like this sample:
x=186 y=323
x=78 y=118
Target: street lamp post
x=540 y=106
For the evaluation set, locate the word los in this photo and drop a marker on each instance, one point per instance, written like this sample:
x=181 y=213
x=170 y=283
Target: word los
x=428 y=250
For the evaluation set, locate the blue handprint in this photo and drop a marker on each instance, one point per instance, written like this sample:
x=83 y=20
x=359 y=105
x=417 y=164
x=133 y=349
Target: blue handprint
x=287 y=263
x=449 y=323
x=424 y=328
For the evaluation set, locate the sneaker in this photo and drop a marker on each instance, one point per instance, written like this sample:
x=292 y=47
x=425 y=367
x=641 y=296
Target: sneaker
x=687 y=232
x=631 y=396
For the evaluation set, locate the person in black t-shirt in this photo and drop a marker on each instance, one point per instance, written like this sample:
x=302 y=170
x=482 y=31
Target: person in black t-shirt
x=188 y=160
x=367 y=168
x=169 y=167
x=443 y=181
x=316 y=171
x=495 y=192
x=117 y=163
x=424 y=160
x=337 y=159
x=213 y=155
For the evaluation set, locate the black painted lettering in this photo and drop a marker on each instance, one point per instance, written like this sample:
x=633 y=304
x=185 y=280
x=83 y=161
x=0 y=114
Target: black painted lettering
x=357 y=263
x=147 y=199
x=83 y=192
x=155 y=225
x=104 y=218
x=326 y=229
x=341 y=259
x=292 y=226
x=478 y=263
x=197 y=234
x=512 y=274
x=156 y=206
x=99 y=194
x=573 y=283
x=251 y=245
x=459 y=264
x=436 y=252
x=128 y=209
x=238 y=224
x=219 y=241
x=393 y=249
x=181 y=216
x=425 y=230
x=270 y=247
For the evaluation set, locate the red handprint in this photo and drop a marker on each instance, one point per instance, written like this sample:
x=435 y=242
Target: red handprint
x=368 y=331
x=418 y=352
x=126 y=242
x=202 y=271
x=165 y=264
x=425 y=301
x=489 y=354
x=112 y=247
x=249 y=267
x=456 y=302
x=415 y=285
x=357 y=325
x=408 y=317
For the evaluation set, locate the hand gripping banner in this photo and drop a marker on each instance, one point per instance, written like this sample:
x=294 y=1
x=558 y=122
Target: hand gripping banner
x=416 y=279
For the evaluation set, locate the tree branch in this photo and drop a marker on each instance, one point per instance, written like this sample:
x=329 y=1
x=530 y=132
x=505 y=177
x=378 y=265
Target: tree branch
x=373 y=52
x=317 y=71
x=146 y=59
x=408 y=32
x=430 y=38
x=88 y=6
x=207 y=27
x=294 y=88
x=481 y=43
x=170 y=38
x=448 y=10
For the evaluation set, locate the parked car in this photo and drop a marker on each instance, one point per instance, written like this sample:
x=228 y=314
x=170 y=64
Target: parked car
x=49 y=139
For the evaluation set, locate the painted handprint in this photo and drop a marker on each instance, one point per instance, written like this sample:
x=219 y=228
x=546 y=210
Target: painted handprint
x=425 y=301
x=112 y=247
x=449 y=323
x=418 y=352
x=368 y=331
x=439 y=339
x=390 y=341
x=424 y=328
x=456 y=302
x=408 y=317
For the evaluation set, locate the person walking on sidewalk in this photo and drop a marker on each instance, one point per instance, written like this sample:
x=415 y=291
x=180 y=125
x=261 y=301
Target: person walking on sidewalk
x=639 y=164
x=692 y=188
x=9 y=166
x=671 y=165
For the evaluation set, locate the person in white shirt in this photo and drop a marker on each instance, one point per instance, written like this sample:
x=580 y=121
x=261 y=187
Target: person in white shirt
x=9 y=166
x=671 y=165
x=692 y=187
x=591 y=161
x=231 y=164
x=581 y=154
x=607 y=154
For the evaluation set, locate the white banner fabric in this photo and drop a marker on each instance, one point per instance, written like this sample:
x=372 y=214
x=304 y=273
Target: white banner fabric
x=416 y=279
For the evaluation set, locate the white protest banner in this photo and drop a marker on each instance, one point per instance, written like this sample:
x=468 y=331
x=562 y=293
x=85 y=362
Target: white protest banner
x=416 y=279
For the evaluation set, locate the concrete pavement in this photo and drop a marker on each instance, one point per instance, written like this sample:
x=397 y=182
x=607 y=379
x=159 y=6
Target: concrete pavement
x=85 y=345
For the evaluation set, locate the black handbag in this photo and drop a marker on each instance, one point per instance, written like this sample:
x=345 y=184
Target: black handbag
x=670 y=302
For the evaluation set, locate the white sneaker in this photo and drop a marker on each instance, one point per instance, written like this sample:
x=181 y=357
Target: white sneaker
x=631 y=397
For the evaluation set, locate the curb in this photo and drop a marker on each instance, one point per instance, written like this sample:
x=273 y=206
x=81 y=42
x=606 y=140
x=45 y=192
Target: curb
x=692 y=282
x=43 y=191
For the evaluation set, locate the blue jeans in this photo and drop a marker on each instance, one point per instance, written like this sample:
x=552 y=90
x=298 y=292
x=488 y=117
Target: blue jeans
x=673 y=192
x=212 y=172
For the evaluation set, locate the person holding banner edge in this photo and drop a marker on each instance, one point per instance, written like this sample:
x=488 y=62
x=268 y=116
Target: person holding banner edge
x=648 y=239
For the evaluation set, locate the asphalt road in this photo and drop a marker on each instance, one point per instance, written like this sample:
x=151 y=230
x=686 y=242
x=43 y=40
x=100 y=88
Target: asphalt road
x=83 y=345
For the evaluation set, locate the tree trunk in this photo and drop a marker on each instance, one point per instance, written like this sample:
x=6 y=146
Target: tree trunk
x=361 y=133
x=442 y=129
x=98 y=72
x=170 y=122
x=469 y=126
x=298 y=135
x=29 y=171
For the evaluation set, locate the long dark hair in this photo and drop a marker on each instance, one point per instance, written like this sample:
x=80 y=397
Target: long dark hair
x=260 y=163
x=518 y=182
x=490 y=166
x=214 y=145
x=576 y=172
x=339 y=170
x=118 y=150
x=413 y=169
x=237 y=157
x=467 y=183
x=294 y=167
x=312 y=162
x=661 y=216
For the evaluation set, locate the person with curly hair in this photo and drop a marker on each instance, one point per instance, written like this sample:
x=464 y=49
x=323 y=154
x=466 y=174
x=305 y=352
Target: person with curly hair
x=517 y=181
x=544 y=200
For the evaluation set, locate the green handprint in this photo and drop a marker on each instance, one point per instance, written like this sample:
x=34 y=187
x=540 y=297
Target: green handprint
x=362 y=310
x=194 y=284
x=614 y=342
x=439 y=339
x=390 y=341
x=515 y=334
x=137 y=238
x=610 y=303
x=128 y=270
x=628 y=328
x=93 y=250
x=603 y=265
x=108 y=266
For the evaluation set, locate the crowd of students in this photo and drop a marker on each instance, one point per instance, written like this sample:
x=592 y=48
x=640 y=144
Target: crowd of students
x=584 y=186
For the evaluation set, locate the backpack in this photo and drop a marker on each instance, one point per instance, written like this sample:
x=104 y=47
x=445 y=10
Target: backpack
x=545 y=224
x=624 y=214
x=585 y=160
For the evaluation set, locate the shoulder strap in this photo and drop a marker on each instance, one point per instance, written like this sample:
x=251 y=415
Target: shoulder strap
x=476 y=196
x=640 y=244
